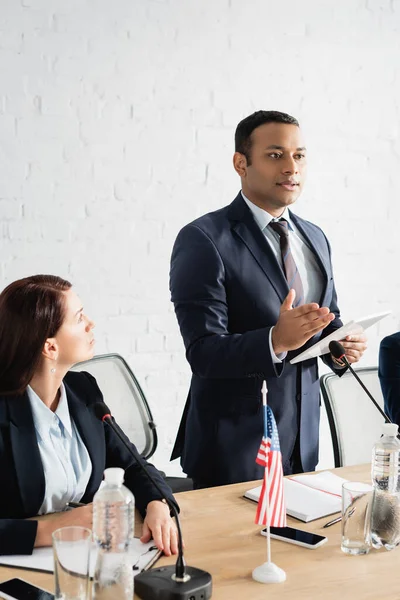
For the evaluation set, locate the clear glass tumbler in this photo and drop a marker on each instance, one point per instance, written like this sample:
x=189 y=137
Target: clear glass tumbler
x=356 y=501
x=71 y=548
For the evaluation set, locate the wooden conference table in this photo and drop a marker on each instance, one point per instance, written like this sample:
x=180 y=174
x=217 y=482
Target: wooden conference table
x=221 y=537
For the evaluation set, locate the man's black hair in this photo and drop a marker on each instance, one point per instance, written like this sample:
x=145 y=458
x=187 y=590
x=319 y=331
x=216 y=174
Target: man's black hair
x=249 y=124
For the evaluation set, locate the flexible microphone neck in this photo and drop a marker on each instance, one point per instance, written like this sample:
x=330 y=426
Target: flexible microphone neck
x=338 y=352
x=103 y=413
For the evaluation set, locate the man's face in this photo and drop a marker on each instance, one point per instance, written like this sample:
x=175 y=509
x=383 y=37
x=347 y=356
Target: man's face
x=276 y=175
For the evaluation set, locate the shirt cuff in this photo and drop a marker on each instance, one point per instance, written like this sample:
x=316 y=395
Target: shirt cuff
x=276 y=358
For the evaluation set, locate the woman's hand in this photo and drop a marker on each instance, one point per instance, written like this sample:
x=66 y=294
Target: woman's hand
x=82 y=516
x=159 y=525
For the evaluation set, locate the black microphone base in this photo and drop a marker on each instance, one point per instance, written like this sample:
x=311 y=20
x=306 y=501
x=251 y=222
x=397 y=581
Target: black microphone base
x=157 y=584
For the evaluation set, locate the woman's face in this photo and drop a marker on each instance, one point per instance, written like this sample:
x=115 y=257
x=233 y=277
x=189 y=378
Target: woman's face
x=75 y=339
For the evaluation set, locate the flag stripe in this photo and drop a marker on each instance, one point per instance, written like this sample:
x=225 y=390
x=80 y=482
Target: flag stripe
x=269 y=456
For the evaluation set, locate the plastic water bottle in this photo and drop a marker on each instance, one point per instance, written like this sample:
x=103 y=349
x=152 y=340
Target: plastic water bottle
x=385 y=508
x=113 y=525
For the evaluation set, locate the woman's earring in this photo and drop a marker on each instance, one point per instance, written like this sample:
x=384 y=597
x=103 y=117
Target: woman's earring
x=52 y=370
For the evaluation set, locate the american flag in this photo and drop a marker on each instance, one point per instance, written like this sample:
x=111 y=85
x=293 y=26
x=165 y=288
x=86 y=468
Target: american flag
x=270 y=455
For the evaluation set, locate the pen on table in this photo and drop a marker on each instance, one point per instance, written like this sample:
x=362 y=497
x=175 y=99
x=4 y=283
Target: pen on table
x=338 y=519
x=75 y=504
x=329 y=523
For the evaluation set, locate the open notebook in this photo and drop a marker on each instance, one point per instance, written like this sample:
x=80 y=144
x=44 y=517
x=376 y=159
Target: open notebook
x=309 y=497
x=142 y=557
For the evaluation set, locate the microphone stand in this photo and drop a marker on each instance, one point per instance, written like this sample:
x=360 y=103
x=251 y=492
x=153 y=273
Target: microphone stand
x=177 y=582
x=348 y=365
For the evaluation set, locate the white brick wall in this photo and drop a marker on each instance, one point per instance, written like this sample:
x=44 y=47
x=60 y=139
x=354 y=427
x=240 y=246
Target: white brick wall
x=116 y=128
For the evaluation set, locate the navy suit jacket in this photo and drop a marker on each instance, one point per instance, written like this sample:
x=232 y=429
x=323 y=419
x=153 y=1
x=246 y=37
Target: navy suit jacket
x=227 y=288
x=389 y=375
x=21 y=470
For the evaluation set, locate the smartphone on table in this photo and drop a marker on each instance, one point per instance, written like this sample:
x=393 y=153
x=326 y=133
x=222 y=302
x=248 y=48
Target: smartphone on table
x=18 y=589
x=299 y=537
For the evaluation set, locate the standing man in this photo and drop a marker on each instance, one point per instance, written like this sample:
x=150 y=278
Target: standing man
x=252 y=286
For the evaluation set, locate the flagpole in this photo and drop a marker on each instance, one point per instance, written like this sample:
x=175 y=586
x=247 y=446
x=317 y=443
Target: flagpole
x=264 y=401
x=268 y=572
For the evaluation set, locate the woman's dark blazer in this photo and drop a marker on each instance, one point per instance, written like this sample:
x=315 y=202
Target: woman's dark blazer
x=21 y=472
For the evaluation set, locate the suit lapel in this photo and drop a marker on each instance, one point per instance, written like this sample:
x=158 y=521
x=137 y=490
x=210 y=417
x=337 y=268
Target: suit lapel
x=26 y=454
x=91 y=431
x=245 y=227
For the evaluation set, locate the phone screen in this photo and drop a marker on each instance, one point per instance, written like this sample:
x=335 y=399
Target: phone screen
x=305 y=537
x=21 y=590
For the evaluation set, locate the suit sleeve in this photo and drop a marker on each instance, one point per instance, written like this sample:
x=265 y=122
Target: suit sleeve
x=17 y=536
x=335 y=324
x=136 y=480
x=389 y=375
x=197 y=284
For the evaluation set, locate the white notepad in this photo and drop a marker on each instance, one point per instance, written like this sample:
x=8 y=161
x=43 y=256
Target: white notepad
x=141 y=555
x=309 y=497
x=351 y=328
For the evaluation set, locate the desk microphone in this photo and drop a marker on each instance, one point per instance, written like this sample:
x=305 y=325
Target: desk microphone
x=177 y=582
x=338 y=352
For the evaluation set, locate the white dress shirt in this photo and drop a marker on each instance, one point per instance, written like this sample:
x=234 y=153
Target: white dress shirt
x=305 y=259
x=66 y=462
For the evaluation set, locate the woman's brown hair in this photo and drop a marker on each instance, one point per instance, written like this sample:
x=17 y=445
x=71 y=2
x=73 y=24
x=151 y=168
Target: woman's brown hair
x=31 y=310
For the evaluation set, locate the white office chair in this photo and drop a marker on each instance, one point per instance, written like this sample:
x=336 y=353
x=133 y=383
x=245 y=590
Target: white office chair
x=124 y=396
x=355 y=423
x=127 y=402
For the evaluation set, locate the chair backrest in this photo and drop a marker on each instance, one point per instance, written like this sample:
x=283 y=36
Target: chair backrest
x=124 y=396
x=354 y=421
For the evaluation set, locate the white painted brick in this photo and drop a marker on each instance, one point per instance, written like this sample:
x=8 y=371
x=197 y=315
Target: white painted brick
x=117 y=344
x=52 y=43
x=24 y=65
x=150 y=342
x=7 y=126
x=47 y=206
x=10 y=209
x=145 y=304
x=46 y=128
x=174 y=343
x=10 y=40
x=26 y=230
x=208 y=138
x=46 y=153
x=147 y=362
x=128 y=324
x=42 y=262
x=159 y=380
x=117 y=124
x=163 y=324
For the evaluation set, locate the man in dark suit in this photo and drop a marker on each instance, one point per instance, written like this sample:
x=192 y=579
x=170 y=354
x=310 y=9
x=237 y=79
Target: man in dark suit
x=252 y=285
x=389 y=375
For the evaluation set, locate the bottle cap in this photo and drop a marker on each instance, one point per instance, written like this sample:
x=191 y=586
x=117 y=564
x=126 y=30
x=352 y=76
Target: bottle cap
x=114 y=476
x=390 y=429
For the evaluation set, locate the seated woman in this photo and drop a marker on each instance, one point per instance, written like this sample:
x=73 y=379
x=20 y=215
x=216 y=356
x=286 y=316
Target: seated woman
x=389 y=375
x=53 y=449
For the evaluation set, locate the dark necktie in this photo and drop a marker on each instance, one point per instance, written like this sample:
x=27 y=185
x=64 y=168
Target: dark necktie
x=289 y=266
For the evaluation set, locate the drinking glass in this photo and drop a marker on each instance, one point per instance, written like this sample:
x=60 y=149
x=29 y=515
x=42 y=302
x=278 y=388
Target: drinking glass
x=356 y=500
x=71 y=548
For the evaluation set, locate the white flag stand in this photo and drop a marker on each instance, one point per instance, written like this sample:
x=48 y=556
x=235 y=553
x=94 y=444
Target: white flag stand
x=268 y=572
